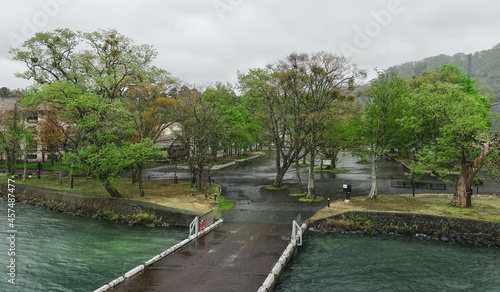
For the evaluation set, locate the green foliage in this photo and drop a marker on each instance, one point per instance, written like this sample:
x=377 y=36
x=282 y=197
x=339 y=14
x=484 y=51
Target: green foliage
x=449 y=116
x=335 y=170
x=225 y=204
x=484 y=70
x=276 y=188
x=363 y=160
x=448 y=225
x=316 y=199
x=82 y=76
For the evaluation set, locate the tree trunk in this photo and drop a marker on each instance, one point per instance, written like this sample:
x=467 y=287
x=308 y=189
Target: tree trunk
x=278 y=180
x=111 y=190
x=11 y=162
x=134 y=175
x=60 y=172
x=462 y=194
x=373 y=190
x=141 y=187
x=200 y=177
x=312 y=155
x=24 y=170
x=299 y=181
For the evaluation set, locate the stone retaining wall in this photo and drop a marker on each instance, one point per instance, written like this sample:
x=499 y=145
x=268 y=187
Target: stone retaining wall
x=94 y=206
x=462 y=231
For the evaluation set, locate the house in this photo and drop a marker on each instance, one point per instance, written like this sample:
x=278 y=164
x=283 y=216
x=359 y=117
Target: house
x=8 y=105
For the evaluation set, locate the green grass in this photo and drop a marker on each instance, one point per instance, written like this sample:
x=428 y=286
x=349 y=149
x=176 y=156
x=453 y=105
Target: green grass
x=179 y=195
x=316 y=199
x=363 y=160
x=298 y=195
x=484 y=207
x=273 y=188
x=225 y=204
x=335 y=170
x=302 y=165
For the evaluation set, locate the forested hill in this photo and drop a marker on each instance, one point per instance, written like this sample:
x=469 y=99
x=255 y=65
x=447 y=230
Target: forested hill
x=484 y=65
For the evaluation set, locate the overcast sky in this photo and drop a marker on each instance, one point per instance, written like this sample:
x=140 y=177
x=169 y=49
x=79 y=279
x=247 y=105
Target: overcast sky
x=210 y=40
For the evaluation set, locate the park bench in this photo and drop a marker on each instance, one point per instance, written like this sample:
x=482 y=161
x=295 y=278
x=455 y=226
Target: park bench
x=418 y=185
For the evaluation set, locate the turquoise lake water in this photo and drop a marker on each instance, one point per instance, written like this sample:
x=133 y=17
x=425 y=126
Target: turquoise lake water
x=60 y=252
x=358 y=262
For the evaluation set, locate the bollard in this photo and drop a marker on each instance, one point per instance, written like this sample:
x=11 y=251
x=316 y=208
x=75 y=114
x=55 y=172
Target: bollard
x=215 y=197
x=213 y=180
x=328 y=202
x=149 y=176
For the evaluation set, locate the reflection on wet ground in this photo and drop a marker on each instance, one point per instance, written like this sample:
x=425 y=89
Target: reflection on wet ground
x=245 y=182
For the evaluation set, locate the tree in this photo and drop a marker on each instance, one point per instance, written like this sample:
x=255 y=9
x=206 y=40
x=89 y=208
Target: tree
x=448 y=98
x=85 y=76
x=5 y=92
x=11 y=136
x=150 y=104
x=319 y=83
x=340 y=132
x=90 y=122
x=380 y=127
x=267 y=99
x=200 y=131
x=242 y=129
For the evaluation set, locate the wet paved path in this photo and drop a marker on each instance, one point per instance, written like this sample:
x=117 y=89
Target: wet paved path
x=232 y=257
x=239 y=254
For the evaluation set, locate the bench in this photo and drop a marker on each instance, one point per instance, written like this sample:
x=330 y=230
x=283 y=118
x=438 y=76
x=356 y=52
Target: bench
x=418 y=185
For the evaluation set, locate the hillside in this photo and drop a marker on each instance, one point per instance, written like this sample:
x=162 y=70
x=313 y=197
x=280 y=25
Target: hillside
x=484 y=66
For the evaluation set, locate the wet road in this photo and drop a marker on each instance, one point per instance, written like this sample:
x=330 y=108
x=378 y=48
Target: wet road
x=239 y=254
x=232 y=257
x=245 y=182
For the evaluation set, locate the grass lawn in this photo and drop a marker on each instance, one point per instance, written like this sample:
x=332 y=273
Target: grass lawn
x=484 y=207
x=165 y=193
x=335 y=170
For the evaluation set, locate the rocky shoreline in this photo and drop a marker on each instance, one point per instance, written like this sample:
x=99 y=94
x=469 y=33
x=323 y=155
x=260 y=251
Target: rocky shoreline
x=143 y=219
x=445 y=229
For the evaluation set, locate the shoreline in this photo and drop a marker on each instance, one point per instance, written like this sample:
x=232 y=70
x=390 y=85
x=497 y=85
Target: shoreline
x=446 y=229
x=116 y=210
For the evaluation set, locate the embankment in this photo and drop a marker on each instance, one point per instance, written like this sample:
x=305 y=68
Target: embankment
x=119 y=210
x=446 y=229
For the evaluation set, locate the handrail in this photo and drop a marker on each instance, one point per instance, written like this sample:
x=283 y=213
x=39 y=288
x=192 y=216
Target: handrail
x=296 y=231
x=194 y=227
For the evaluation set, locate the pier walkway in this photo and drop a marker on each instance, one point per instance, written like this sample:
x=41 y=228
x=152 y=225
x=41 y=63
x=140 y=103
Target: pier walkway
x=232 y=257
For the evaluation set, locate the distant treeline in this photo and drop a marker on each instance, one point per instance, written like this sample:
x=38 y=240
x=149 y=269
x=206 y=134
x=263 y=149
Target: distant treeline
x=484 y=66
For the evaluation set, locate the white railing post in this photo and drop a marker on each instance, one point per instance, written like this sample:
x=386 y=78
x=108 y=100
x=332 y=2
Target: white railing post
x=296 y=231
x=194 y=227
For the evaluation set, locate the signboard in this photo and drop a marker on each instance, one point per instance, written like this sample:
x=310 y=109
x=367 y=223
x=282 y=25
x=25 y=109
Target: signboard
x=327 y=162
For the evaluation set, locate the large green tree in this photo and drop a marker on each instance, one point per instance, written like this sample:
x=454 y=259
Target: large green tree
x=84 y=76
x=448 y=100
x=380 y=127
x=242 y=129
x=319 y=84
x=266 y=96
x=200 y=131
